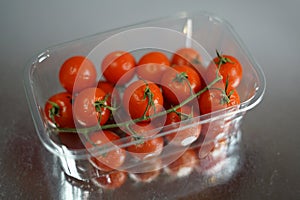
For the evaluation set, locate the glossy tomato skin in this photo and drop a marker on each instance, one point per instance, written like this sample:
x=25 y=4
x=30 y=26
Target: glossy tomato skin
x=186 y=56
x=118 y=67
x=186 y=136
x=152 y=65
x=112 y=180
x=234 y=97
x=85 y=111
x=190 y=57
x=109 y=89
x=175 y=88
x=212 y=99
x=143 y=129
x=58 y=110
x=110 y=160
x=146 y=148
x=135 y=100
x=231 y=70
x=77 y=73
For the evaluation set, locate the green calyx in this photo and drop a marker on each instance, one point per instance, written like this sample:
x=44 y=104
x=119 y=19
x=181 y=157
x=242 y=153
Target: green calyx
x=54 y=112
x=180 y=77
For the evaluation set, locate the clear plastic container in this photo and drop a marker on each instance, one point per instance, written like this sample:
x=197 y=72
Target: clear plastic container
x=202 y=31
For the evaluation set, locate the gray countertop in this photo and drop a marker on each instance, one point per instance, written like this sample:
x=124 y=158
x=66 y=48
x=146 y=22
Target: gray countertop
x=270 y=140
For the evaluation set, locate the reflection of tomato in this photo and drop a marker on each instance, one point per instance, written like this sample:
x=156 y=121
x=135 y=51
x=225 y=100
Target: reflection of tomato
x=112 y=180
x=184 y=165
x=186 y=56
x=211 y=163
x=179 y=119
x=142 y=99
x=58 y=109
x=117 y=67
x=112 y=159
x=230 y=68
x=146 y=148
x=77 y=73
x=150 y=172
x=90 y=107
x=180 y=82
x=152 y=65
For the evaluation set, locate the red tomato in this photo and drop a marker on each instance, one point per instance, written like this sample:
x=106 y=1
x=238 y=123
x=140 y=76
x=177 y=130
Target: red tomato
x=111 y=181
x=152 y=65
x=117 y=67
x=234 y=97
x=186 y=56
x=58 y=110
x=143 y=129
x=216 y=98
x=110 y=160
x=142 y=99
x=180 y=82
x=146 y=148
x=185 y=136
x=110 y=90
x=90 y=107
x=184 y=165
x=77 y=73
x=212 y=99
x=230 y=68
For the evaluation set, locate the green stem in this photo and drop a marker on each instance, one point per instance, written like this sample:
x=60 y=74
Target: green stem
x=126 y=123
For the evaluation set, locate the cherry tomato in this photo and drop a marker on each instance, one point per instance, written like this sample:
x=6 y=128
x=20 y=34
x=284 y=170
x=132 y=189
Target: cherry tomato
x=216 y=98
x=110 y=160
x=77 y=73
x=230 y=68
x=146 y=148
x=213 y=99
x=58 y=110
x=190 y=57
x=234 y=97
x=117 y=67
x=142 y=98
x=184 y=165
x=110 y=90
x=143 y=129
x=91 y=107
x=186 y=136
x=180 y=82
x=152 y=65
x=111 y=181
x=186 y=56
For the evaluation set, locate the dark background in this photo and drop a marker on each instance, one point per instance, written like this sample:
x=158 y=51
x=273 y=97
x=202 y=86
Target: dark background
x=270 y=30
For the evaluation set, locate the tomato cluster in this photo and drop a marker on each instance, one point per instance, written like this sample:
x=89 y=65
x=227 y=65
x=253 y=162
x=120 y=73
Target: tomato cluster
x=138 y=99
